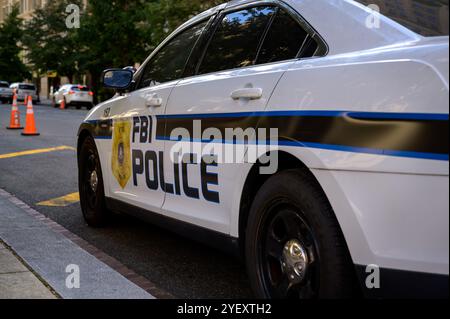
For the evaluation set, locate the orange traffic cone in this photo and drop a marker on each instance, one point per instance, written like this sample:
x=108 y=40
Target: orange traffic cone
x=62 y=106
x=30 y=125
x=15 y=115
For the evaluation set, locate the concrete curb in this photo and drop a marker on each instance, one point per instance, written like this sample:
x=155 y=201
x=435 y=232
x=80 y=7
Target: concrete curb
x=48 y=249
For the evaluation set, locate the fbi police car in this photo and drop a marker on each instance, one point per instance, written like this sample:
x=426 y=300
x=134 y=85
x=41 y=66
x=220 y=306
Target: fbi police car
x=345 y=110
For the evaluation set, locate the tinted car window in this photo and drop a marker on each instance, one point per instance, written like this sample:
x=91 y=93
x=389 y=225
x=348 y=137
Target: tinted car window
x=4 y=85
x=29 y=87
x=428 y=18
x=169 y=63
x=80 y=88
x=236 y=40
x=284 y=39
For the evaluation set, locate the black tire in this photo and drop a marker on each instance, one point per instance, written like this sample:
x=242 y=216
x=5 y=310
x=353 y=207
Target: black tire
x=90 y=106
x=92 y=201
x=65 y=104
x=289 y=219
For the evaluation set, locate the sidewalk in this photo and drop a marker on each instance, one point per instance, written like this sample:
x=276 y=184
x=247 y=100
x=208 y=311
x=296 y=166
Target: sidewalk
x=70 y=271
x=16 y=281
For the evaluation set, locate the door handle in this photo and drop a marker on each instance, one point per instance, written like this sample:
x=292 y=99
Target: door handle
x=153 y=101
x=247 y=93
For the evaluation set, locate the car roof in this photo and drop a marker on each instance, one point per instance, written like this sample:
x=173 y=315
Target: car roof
x=341 y=23
x=344 y=24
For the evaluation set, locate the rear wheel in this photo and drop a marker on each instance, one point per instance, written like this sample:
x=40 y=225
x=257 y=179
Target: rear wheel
x=294 y=246
x=91 y=187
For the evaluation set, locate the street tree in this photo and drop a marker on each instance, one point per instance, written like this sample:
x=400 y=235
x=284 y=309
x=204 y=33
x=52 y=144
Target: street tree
x=49 y=43
x=12 y=68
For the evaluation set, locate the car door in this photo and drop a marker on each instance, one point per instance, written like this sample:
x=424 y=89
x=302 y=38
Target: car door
x=135 y=122
x=59 y=95
x=235 y=78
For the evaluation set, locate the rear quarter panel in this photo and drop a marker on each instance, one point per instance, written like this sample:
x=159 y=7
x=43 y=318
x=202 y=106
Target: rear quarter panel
x=393 y=210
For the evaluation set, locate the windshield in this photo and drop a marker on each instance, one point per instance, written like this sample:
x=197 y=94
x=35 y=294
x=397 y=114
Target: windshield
x=425 y=17
x=4 y=85
x=30 y=87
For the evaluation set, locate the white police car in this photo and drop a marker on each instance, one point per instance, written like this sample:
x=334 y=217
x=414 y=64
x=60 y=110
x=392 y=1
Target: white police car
x=353 y=107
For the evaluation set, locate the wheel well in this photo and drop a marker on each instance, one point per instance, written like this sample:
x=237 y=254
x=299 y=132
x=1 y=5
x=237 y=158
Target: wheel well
x=81 y=137
x=254 y=182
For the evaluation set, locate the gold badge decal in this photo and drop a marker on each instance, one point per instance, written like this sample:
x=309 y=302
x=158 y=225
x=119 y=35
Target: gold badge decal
x=121 y=154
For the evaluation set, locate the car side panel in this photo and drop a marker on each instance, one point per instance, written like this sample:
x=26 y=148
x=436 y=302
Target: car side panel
x=381 y=85
x=392 y=209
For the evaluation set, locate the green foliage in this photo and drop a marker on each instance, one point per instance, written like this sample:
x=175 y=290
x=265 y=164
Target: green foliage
x=50 y=44
x=115 y=33
x=11 y=67
x=161 y=17
x=108 y=37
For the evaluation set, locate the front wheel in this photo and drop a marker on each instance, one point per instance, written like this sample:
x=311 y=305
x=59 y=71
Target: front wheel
x=90 y=183
x=294 y=246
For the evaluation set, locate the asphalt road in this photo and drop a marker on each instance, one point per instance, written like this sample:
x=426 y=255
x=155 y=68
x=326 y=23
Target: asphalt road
x=184 y=268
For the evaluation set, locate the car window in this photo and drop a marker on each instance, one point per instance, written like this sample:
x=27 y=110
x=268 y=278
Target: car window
x=27 y=87
x=79 y=88
x=169 y=63
x=3 y=85
x=236 y=41
x=284 y=40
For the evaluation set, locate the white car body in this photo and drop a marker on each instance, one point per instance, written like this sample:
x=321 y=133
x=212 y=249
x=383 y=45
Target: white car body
x=73 y=96
x=23 y=90
x=391 y=202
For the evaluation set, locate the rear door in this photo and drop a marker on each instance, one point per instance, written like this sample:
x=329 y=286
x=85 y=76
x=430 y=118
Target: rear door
x=245 y=58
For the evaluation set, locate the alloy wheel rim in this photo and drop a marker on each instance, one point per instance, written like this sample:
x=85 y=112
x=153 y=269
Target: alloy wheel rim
x=91 y=181
x=288 y=255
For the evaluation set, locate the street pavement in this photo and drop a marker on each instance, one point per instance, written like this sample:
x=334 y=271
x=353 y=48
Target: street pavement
x=17 y=281
x=180 y=267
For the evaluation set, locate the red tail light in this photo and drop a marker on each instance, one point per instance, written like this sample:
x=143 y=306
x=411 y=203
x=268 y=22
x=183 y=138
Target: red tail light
x=91 y=93
x=71 y=92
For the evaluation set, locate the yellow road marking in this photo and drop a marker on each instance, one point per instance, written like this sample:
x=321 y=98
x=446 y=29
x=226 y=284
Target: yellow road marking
x=38 y=151
x=62 y=201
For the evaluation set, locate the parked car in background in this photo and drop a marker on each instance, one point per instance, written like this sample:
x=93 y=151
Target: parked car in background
x=74 y=95
x=6 y=93
x=25 y=89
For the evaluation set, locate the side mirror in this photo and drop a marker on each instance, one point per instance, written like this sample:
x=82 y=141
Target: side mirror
x=118 y=79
